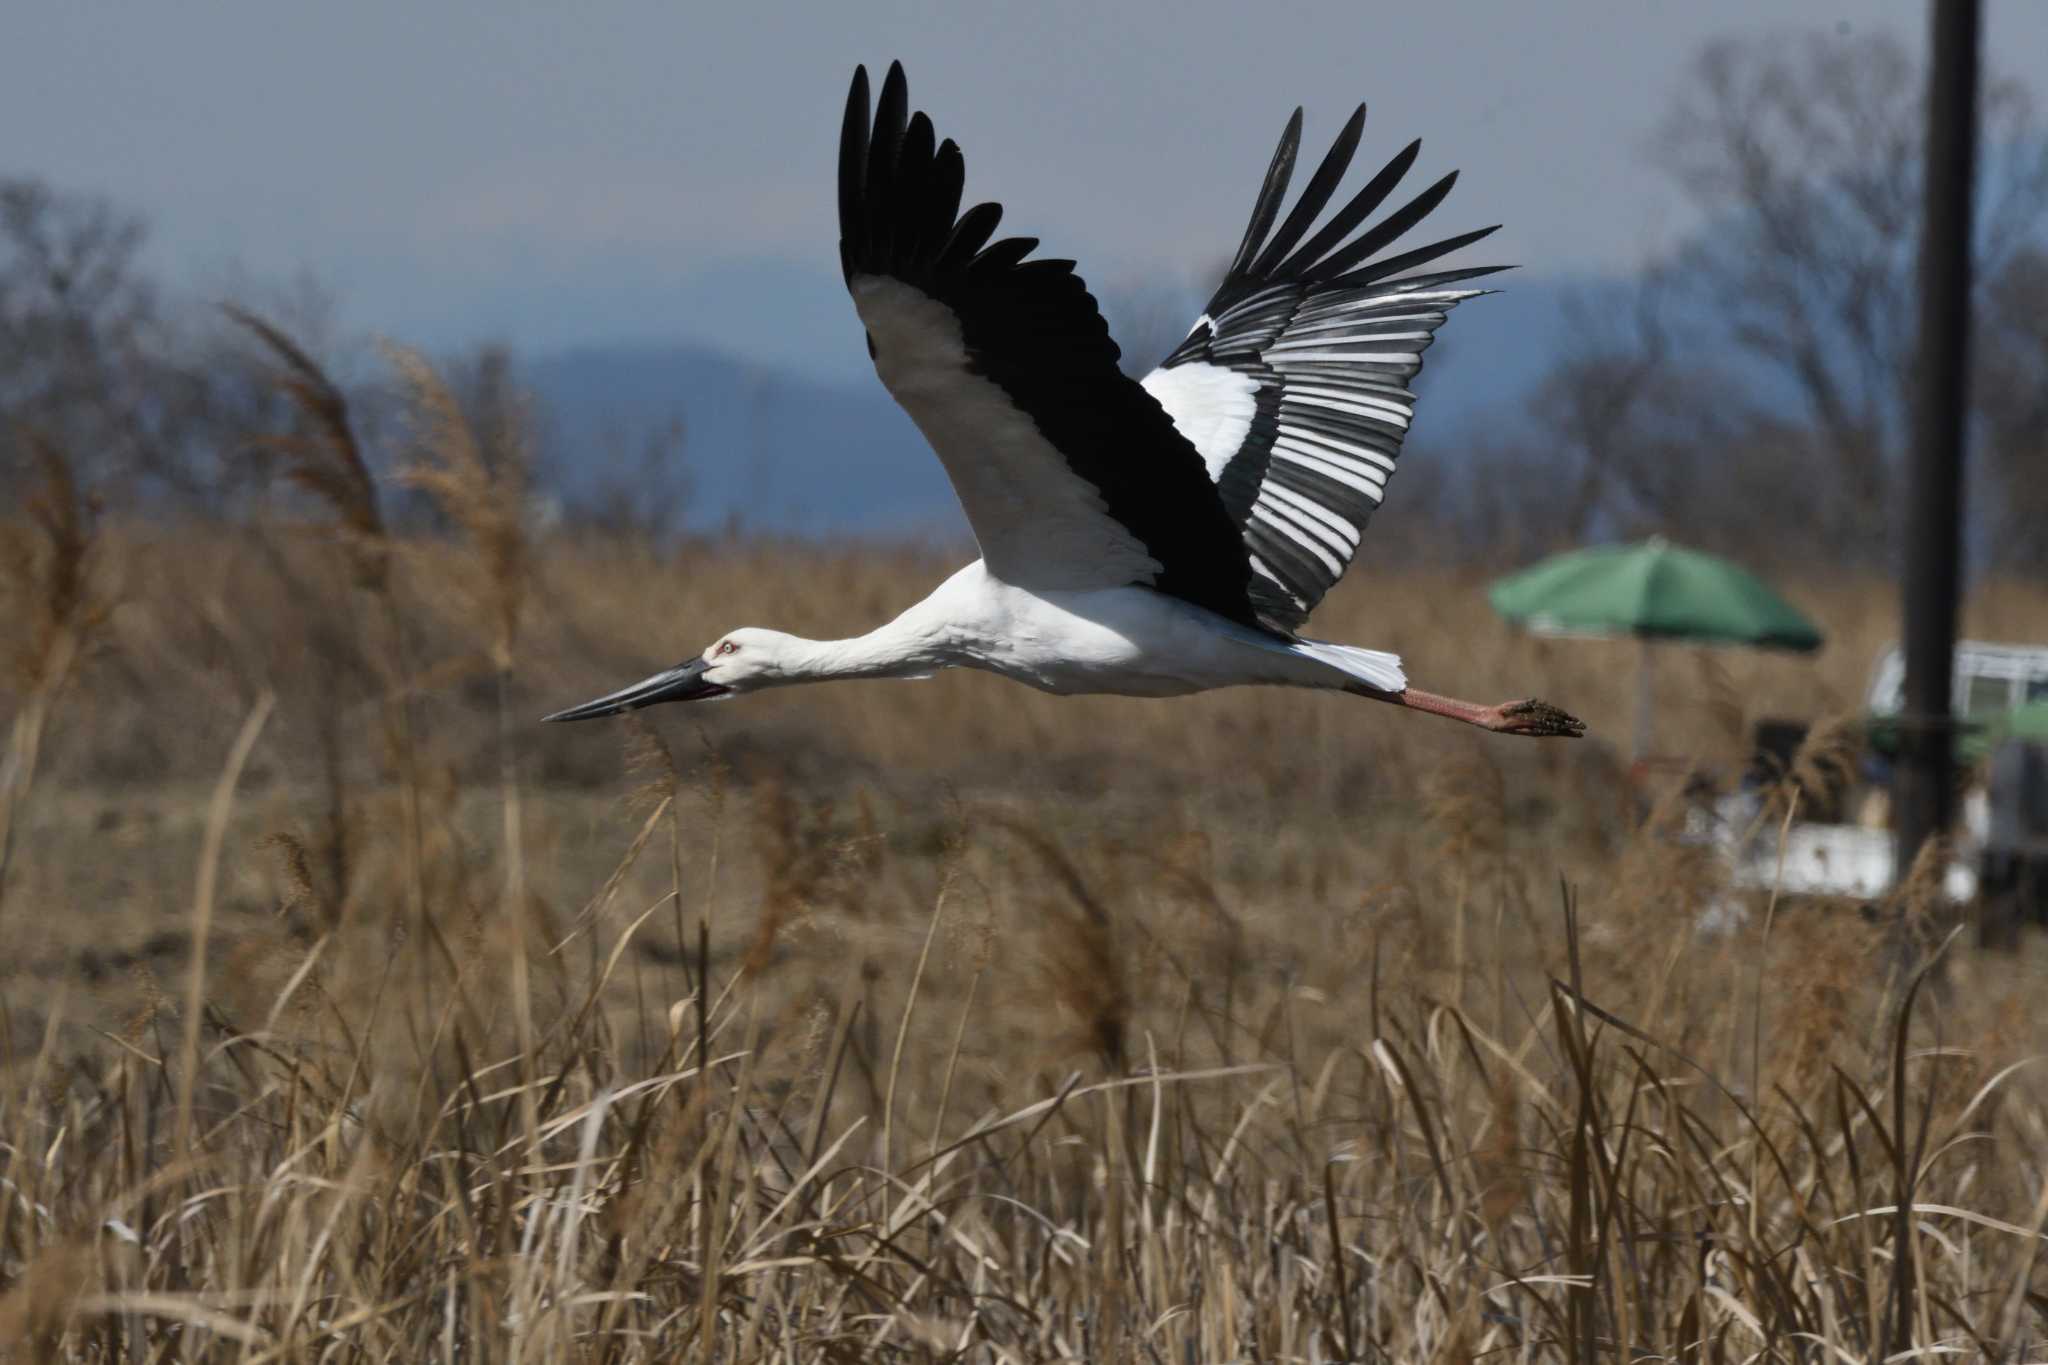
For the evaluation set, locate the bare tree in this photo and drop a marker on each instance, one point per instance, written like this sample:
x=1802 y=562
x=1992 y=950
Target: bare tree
x=641 y=487
x=627 y=481
x=73 y=311
x=2012 y=396
x=1597 y=413
x=1627 y=432
x=500 y=416
x=1804 y=155
x=91 y=359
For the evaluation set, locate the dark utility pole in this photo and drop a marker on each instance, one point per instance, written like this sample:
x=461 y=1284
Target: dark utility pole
x=1925 y=788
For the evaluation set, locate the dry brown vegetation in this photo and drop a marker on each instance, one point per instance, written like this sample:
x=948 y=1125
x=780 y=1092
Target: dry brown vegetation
x=350 y=1014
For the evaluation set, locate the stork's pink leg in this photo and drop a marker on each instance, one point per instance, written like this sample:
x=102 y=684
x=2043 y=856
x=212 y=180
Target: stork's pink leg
x=1529 y=717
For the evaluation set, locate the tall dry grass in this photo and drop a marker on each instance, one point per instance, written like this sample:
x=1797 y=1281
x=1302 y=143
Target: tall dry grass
x=50 y=590
x=349 y=1014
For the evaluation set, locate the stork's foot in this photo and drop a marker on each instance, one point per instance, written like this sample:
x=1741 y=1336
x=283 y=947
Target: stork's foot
x=1535 y=718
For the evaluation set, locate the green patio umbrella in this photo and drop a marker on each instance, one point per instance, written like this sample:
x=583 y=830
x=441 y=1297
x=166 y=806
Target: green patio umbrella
x=1651 y=591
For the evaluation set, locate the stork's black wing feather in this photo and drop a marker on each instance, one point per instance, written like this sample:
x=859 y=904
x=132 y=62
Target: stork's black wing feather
x=1071 y=474
x=1294 y=382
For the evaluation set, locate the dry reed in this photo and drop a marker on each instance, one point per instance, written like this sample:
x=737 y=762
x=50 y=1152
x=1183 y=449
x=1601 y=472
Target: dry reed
x=952 y=1026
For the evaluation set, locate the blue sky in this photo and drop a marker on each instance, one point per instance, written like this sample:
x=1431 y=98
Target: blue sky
x=563 y=174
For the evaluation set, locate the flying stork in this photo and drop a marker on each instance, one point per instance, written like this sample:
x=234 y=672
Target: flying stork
x=1150 y=537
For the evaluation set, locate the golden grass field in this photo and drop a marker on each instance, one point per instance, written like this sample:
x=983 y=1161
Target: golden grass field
x=349 y=1014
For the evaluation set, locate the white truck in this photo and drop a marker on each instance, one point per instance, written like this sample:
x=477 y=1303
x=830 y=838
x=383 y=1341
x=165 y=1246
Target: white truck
x=1989 y=679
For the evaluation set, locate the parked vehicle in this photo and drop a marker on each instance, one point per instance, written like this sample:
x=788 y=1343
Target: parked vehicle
x=1840 y=843
x=1990 y=679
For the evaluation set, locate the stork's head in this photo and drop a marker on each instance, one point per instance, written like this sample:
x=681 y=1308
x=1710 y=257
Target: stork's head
x=744 y=660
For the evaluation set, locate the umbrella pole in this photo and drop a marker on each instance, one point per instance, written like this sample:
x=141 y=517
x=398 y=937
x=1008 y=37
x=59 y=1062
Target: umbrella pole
x=1646 y=689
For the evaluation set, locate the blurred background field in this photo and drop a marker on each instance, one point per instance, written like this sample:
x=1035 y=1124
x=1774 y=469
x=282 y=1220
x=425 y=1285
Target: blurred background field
x=348 y=1012
x=457 y=955
x=1305 y=803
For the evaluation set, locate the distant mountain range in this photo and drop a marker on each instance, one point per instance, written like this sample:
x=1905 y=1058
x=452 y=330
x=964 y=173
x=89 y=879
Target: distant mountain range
x=775 y=448
x=764 y=447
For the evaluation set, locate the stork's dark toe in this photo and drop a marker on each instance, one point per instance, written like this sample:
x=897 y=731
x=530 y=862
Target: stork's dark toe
x=1539 y=719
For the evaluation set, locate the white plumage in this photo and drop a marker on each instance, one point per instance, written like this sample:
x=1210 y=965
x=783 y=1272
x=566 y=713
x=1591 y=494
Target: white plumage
x=1145 y=538
x=1038 y=524
x=1213 y=407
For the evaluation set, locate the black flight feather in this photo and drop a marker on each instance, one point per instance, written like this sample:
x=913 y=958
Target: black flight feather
x=853 y=160
x=1311 y=324
x=1352 y=214
x=1423 y=255
x=1384 y=231
x=1315 y=195
x=1270 y=194
x=1032 y=329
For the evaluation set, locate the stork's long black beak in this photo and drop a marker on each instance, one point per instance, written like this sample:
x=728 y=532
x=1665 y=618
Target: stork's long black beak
x=685 y=682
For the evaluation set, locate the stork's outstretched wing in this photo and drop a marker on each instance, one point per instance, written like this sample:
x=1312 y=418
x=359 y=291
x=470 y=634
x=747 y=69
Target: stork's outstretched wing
x=1294 y=381
x=1070 y=473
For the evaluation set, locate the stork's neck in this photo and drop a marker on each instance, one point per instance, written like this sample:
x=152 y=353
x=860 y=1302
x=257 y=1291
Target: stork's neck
x=903 y=648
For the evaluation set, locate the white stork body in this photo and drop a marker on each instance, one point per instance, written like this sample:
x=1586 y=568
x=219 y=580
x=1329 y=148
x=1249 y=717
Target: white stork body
x=1144 y=538
x=1123 y=641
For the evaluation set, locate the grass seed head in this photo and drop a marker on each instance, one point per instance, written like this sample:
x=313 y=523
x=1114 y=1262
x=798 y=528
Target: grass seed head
x=323 y=457
x=484 y=499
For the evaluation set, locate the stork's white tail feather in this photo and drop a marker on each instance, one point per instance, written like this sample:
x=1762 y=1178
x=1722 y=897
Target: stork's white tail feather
x=1376 y=669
